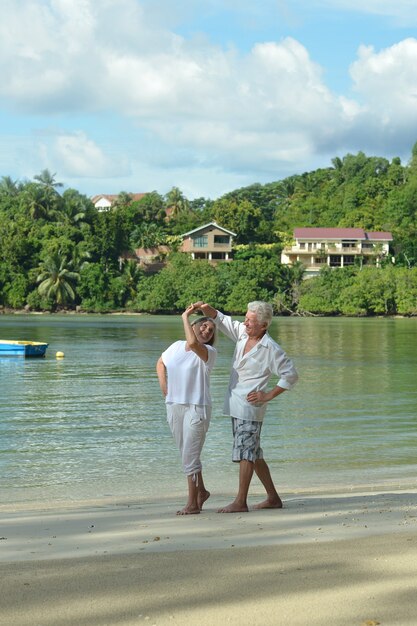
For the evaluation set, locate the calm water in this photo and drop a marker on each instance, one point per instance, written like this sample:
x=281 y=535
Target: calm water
x=92 y=425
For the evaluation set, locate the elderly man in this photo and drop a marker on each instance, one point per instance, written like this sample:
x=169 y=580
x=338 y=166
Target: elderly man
x=257 y=357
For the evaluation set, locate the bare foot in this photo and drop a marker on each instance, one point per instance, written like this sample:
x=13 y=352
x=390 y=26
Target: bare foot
x=189 y=510
x=234 y=508
x=202 y=497
x=269 y=503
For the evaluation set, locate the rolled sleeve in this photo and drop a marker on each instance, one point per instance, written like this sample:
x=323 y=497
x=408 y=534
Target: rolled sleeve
x=285 y=371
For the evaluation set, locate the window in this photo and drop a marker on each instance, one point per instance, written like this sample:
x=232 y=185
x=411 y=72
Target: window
x=348 y=259
x=200 y=242
x=302 y=245
x=320 y=260
x=335 y=260
x=221 y=239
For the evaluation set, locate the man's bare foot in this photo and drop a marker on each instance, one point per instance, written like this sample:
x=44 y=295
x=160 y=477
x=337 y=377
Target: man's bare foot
x=189 y=510
x=202 y=497
x=269 y=503
x=234 y=508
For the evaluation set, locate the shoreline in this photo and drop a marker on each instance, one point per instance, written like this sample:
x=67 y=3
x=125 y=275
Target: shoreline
x=340 y=559
x=174 y=313
x=56 y=530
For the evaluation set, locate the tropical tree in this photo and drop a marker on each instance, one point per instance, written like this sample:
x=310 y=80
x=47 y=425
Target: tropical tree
x=9 y=187
x=241 y=218
x=147 y=235
x=176 y=203
x=47 y=180
x=33 y=201
x=56 y=280
x=132 y=273
x=75 y=208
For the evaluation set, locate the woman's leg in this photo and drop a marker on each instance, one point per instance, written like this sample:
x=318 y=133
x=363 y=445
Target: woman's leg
x=195 y=426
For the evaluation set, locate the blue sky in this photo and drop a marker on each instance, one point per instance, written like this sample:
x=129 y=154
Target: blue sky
x=206 y=95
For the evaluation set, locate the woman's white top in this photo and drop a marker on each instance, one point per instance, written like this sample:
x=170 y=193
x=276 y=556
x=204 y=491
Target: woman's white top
x=188 y=375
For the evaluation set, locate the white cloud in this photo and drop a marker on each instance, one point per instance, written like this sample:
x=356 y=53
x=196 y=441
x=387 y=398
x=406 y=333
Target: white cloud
x=206 y=106
x=387 y=80
x=403 y=11
x=79 y=157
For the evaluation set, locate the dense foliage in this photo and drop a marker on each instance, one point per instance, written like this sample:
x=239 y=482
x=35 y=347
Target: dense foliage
x=57 y=251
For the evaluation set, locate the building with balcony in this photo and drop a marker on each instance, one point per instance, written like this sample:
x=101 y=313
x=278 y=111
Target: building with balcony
x=335 y=247
x=211 y=242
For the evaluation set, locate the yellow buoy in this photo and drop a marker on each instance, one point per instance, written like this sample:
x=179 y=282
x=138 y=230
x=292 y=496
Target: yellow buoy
x=60 y=355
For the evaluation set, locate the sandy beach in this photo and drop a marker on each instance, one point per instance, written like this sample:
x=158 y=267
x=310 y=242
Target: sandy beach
x=340 y=559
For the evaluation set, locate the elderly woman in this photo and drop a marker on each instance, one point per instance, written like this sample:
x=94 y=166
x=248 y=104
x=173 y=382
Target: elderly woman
x=257 y=357
x=184 y=377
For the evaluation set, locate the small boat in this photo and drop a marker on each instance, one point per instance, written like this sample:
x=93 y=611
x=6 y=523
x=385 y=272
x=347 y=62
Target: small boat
x=22 y=348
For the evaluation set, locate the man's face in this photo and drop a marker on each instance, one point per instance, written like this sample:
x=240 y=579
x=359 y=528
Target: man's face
x=253 y=327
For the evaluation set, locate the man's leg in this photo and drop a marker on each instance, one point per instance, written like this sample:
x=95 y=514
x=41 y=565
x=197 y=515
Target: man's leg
x=246 y=449
x=273 y=501
x=239 y=504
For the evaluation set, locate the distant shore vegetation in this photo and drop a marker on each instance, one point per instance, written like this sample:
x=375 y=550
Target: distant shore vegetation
x=57 y=252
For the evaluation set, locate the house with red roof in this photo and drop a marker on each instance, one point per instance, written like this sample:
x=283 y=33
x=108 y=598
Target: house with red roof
x=104 y=202
x=335 y=247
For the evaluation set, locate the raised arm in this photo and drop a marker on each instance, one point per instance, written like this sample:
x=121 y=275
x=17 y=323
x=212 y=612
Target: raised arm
x=198 y=348
x=206 y=309
x=231 y=328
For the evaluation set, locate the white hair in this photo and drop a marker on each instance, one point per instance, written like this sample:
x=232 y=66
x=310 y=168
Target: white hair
x=264 y=311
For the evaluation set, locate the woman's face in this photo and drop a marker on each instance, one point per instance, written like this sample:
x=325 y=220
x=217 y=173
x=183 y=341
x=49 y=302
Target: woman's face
x=204 y=331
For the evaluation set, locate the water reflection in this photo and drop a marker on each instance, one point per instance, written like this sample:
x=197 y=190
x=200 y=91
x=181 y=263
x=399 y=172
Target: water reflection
x=93 y=423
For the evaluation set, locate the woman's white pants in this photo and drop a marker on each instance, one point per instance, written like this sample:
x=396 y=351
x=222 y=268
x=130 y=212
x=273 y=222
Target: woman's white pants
x=189 y=424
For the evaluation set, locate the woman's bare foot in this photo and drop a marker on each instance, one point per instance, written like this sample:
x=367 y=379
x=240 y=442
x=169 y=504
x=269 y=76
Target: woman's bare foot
x=269 y=503
x=234 y=507
x=189 y=510
x=202 y=497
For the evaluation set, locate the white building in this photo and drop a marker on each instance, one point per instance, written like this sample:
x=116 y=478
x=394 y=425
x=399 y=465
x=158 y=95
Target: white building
x=335 y=247
x=104 y=202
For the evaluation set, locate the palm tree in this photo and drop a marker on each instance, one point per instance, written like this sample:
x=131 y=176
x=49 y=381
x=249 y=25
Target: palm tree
x=297 y=271
x=47 y=187
x=74 y=212
x=9 y=187
x=285 y=192
x=176 y=203
x=132 y=273
x=80 y=256
x=47 y=180
x=146 y=236
x=56 y=279
x=34 y=201
x=123 y=199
